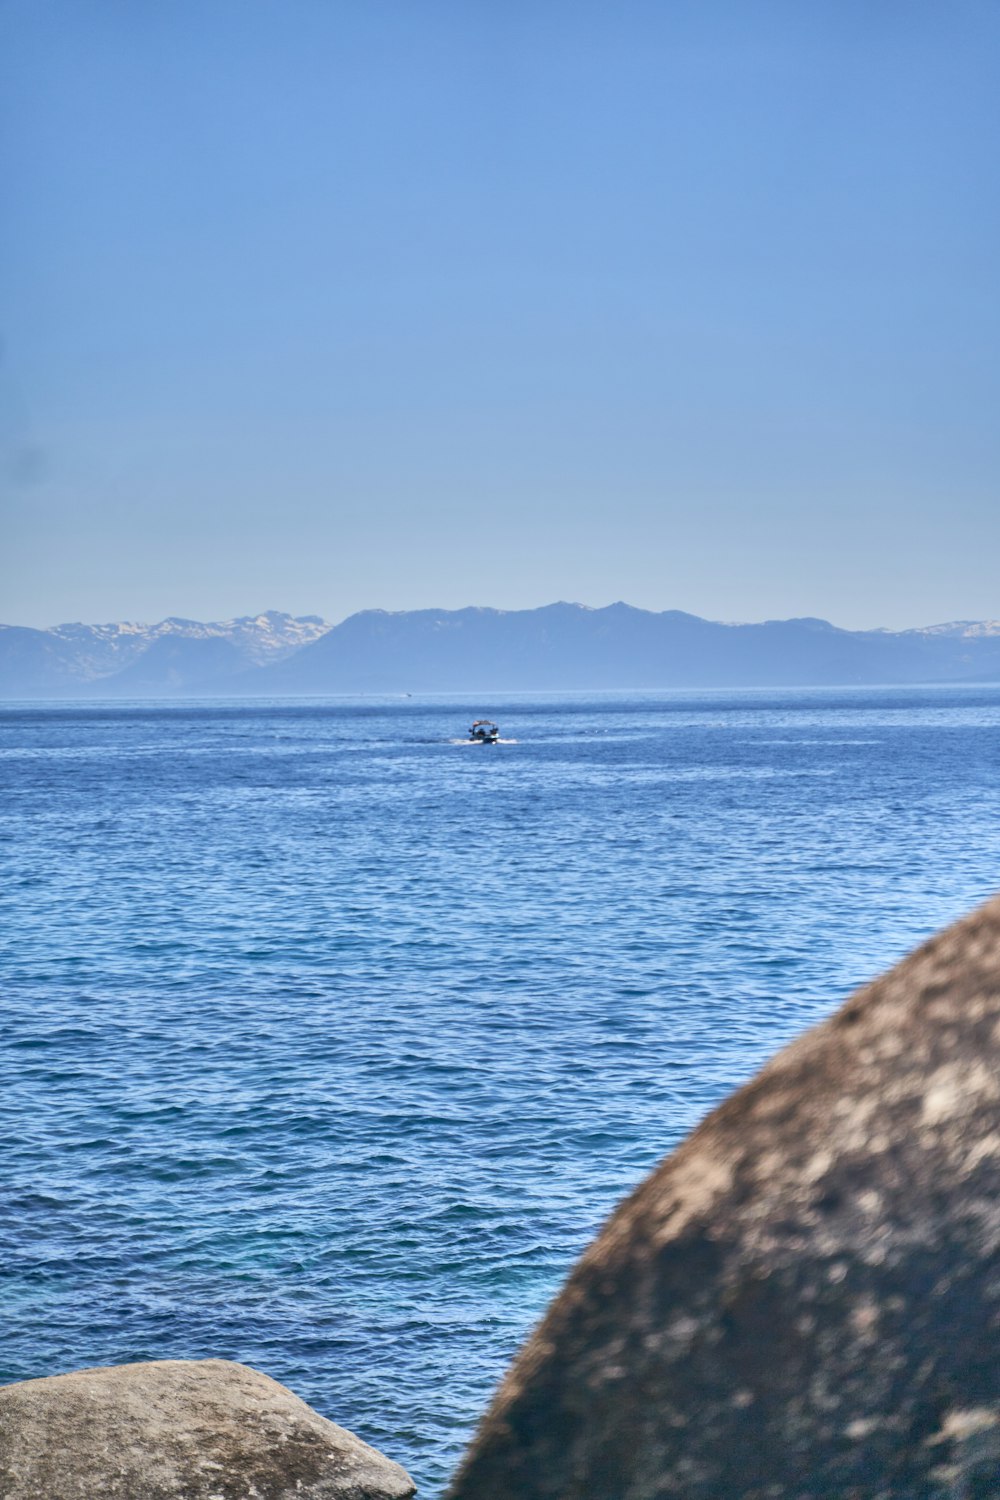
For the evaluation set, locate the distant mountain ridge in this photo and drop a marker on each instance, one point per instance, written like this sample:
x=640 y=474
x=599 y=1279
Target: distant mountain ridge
x=258 y=638
x=93 y=660
x=556 y=647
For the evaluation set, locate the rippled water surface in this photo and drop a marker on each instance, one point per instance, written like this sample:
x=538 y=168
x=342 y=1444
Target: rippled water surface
x=328 y=1043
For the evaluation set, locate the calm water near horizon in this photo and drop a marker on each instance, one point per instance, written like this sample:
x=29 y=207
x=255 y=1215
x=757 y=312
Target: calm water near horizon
x=328 y=1043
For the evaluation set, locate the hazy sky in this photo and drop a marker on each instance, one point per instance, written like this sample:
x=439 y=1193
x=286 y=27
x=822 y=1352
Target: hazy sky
x=326 y=304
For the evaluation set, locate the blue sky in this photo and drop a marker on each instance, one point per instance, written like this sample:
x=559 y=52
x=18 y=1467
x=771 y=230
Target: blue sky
x=320 y=306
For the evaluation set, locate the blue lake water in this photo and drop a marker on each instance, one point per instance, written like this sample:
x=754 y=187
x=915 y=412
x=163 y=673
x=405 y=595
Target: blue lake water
x=328 y=1043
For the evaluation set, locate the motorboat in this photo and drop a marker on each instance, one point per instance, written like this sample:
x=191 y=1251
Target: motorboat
x=484 y=732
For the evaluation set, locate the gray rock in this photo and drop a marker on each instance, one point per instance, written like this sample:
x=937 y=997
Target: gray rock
x=184 y=1429
x=804 y=1299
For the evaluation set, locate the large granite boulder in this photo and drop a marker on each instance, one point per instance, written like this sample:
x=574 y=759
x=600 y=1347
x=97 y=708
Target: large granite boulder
x=804 y=1299
x=180 y=1430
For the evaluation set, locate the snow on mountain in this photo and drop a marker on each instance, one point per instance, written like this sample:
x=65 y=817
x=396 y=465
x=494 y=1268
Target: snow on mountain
x=963 y=629
x=101 y=650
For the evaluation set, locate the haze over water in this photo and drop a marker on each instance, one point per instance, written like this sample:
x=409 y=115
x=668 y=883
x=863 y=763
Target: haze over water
x=330 y=1043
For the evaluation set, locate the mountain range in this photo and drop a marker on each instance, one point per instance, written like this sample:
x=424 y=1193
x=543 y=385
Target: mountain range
x=557 y=647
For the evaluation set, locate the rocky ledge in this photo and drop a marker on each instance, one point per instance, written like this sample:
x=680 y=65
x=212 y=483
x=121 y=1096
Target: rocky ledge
x=180 y=1430
x=804 y=1299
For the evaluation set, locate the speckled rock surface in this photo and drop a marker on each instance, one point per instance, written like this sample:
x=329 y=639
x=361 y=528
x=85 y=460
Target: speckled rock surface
x=184 y=1429
x=804 y=1299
